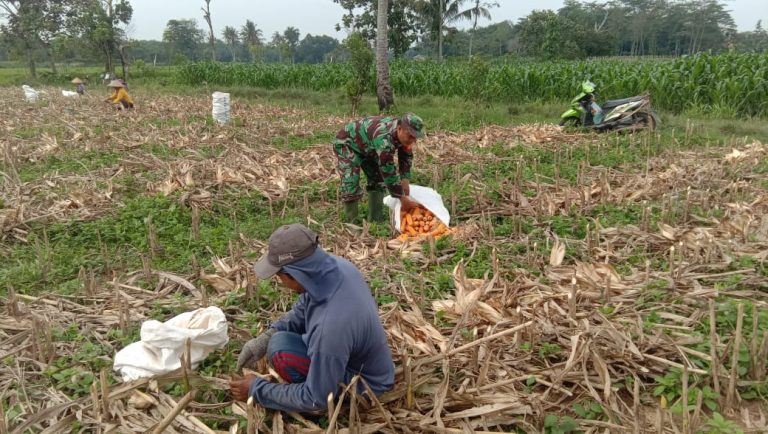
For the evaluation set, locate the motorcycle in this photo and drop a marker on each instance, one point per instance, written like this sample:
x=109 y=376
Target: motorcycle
x=628 y=114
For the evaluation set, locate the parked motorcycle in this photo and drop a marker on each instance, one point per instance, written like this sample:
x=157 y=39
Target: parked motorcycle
x=632 y=113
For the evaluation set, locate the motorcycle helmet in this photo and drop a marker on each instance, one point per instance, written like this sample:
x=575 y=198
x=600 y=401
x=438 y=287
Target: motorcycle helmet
x=588 y=87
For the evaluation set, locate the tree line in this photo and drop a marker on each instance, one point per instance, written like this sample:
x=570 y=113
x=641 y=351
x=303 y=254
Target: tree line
x=88 y=31
x=56 y=29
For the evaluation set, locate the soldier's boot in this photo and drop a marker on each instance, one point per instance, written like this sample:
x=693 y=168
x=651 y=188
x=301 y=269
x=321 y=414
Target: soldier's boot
x=376 y=206
x=350 y=212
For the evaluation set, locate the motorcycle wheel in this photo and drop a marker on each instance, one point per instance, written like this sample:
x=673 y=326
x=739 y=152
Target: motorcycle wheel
x=646 y=120
x=570 y=122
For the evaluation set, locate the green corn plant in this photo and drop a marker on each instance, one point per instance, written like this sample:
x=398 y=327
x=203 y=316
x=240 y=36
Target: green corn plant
x=729 y=84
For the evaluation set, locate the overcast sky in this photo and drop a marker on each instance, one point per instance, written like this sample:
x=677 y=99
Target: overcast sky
x=318 y=17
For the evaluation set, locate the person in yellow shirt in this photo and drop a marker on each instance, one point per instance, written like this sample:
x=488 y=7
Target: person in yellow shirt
x=119 y=98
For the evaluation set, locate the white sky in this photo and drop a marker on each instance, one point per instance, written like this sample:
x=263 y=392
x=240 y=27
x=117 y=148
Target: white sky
x=318 y=17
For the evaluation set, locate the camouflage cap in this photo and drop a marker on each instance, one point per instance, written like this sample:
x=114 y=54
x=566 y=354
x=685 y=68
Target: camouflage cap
x=414 y=123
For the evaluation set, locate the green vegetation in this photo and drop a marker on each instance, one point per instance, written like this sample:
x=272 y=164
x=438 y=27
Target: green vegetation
x=707 y=100
x=560 y=425
x=360 y=64
x=717 y=424
x=730 y=85
x=113 y=242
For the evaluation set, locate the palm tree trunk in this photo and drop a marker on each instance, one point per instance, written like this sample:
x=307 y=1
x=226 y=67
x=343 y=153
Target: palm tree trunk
x=474 y=27
x=383 y=88
x=440 y=31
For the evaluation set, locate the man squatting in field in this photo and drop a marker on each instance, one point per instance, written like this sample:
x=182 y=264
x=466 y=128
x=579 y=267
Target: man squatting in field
x=370 y=144
x=331 y=334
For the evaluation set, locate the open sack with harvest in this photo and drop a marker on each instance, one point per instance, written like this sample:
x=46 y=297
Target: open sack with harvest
x=430 y=217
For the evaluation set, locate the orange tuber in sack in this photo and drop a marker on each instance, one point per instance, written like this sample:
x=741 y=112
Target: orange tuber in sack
x=420 y=222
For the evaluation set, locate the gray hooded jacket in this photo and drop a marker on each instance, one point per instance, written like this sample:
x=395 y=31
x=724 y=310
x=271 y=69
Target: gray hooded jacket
x=339 y=321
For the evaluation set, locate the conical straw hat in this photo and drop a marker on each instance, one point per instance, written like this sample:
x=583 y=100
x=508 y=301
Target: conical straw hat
x=76 y=80
x=116 y=83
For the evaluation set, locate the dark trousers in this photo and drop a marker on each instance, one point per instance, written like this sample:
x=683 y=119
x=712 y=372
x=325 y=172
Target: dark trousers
x=287 y=353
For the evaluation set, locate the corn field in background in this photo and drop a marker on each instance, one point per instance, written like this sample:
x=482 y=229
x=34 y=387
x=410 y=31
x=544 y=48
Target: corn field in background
x=729 y=84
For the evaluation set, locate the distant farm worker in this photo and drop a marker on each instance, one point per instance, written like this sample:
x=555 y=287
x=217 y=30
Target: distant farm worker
x=331 y=334
x=370 y=144
x=80 y=86
x=119 y=98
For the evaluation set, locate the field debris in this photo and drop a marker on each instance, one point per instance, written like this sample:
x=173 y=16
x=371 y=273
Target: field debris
x=543 y=328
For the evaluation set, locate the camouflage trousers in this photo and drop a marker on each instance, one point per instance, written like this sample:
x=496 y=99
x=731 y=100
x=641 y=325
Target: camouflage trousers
x=349 y=164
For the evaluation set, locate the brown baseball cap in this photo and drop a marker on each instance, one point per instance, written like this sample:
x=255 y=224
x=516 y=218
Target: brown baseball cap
x=287 y=244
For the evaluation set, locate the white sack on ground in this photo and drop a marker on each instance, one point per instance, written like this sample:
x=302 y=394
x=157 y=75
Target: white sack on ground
x=220 y=110
x=30 y=94
x=427 y=197
x=162 y=344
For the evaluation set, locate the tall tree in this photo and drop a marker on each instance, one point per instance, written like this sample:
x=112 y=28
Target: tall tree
x=211 y=38
x=97 y=25
x=251 y=37
x=383 y=88
x=402 y=21
x=231 y=39
x=546 y=34
x=316 y=49
x=480 y=9
x=588 y=26
x=291 y=40
x=279 y=43
x=755 y=41
x=437 y=14
x=21 y=20
x=710 y=25
x=183 y=37
x=33 y=23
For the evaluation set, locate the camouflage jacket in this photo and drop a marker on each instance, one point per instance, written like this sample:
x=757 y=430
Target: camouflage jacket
x=376 y=137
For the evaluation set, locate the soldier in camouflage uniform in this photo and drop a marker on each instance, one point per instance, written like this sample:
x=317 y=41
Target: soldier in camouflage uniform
x=370 y=144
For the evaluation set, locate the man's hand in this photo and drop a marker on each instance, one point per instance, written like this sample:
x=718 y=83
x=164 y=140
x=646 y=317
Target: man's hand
x=254 y=350
x=239 y=387
x=406 y=184
x=407 y=204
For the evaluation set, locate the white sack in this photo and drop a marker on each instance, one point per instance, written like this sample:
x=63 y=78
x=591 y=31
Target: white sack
x=427 y=197
x=162 y=344
x=68 y=93
x=30 y=94
x=220 y=110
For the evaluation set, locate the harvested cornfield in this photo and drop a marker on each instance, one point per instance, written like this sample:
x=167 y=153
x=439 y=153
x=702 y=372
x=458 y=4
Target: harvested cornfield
x=589 y=283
